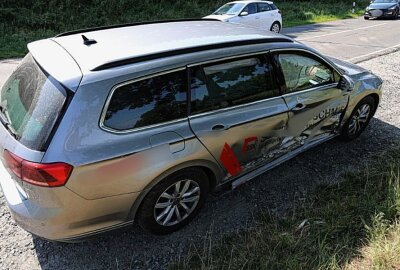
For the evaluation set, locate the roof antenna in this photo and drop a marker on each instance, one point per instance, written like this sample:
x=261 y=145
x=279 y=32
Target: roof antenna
x=87 y=41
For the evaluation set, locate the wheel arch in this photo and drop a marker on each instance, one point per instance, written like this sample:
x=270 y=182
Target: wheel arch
x=212 y=170
x=278 y=22
x=376 y=99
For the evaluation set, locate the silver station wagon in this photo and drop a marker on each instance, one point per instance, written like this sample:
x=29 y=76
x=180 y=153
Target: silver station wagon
x=107 y=126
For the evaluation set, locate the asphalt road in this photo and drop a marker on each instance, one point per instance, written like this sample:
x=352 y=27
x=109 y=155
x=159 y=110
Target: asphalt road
x=353 y=40
x=277 y=191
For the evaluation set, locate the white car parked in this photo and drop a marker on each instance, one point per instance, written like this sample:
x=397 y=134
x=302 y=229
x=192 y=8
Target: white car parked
x=260 y=14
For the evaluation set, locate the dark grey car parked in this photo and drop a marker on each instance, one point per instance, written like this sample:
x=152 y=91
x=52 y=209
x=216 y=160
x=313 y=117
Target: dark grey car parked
x=104 y=127
x=383 y=9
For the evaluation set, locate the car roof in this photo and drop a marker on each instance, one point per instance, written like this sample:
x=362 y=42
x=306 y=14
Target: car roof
x=122 y=45
x=252 y=1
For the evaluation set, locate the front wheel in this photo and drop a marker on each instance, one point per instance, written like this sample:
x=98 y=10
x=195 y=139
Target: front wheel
x=275 y=27
x=174 y=202
x=359 y=119
x=396 y=15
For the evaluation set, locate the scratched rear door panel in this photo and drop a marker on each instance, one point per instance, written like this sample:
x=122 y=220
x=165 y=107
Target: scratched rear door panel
x=237 y=113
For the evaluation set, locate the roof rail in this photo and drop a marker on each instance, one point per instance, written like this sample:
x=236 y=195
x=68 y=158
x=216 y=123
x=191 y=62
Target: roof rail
x=79 y=31
x=148 y=57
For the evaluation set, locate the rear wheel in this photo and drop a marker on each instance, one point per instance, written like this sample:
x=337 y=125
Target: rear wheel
x=174 y=202
x=276 y=27
x=359 y=119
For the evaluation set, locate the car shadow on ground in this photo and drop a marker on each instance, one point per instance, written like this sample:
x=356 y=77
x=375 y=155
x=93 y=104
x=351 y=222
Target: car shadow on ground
x=276 y=191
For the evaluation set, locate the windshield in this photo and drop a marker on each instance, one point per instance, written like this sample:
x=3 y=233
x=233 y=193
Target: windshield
x=30 y=104
x=385 y=1
x=229 y=9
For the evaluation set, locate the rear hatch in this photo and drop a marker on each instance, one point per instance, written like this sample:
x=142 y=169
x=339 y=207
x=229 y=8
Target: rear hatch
x=32 y=103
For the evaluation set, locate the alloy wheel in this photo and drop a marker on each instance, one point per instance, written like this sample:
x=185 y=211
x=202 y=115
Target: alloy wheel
x=275 y=28
x=177 y=202
x=359 y=119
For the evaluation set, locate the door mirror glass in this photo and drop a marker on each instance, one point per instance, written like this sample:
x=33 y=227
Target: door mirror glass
x=244 y=13
x=346 y=83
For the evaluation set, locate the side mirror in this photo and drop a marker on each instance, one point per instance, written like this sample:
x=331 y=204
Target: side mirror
x=244 y=13
x=346 y=83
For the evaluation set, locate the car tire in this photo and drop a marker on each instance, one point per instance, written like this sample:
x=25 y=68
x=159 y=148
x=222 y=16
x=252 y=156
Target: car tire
x=275 y=27
x=366 y=18
x=166 y=208
x=359 y=119
x=396 y=15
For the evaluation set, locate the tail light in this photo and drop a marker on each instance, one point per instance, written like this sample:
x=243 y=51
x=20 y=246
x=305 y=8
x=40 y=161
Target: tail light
x=39 y=174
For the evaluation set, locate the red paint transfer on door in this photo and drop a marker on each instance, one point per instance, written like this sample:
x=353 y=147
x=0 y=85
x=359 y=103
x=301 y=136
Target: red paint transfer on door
x=249 y=144
x=230 y=161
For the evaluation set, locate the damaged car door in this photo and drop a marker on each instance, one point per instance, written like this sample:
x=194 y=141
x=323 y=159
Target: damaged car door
x=237 y=112
x=316 y=103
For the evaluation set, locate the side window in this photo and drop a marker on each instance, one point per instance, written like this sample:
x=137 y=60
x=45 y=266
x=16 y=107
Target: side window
x=274 y=7
x=231 y=83
x=251 y=8
x=263 y=7
x=303 y=72
x=148 y=102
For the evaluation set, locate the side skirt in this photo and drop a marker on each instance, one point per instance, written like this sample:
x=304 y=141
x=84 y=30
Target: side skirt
x=247 y=177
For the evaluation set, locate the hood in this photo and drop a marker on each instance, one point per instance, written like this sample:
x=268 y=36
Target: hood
x=220 y=17
x=381 y=5
x=348 y=68
x=358 y=74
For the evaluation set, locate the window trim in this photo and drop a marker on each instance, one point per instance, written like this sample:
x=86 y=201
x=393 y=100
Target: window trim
x=119 y=85
x=310 y=54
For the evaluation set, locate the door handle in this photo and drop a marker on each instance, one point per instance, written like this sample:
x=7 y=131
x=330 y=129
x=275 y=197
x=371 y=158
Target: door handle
x=298 y=107
x=220 y=127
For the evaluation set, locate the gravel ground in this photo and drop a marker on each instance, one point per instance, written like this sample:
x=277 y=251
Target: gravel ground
x=276 y=191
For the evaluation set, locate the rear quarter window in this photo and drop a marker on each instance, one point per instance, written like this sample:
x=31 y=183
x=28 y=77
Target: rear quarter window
x=147 y=102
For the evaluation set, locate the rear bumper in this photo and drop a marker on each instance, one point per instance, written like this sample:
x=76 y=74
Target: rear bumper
x=61 y=215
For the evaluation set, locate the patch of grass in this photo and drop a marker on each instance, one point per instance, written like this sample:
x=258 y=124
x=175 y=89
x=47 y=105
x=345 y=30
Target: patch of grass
x=24 y=21
x=307 y=12
x=351 y=225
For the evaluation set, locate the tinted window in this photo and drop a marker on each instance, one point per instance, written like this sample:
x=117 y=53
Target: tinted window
x=302 y=72
x=148 y=102
x=231 y=83
x=263 y=7
x=31 y=103
x=274 y=7
x=251 y=8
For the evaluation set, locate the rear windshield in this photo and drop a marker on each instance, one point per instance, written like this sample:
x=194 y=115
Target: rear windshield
x=30 y=104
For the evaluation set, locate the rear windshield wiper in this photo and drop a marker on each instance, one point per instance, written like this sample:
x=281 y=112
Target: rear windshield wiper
x=7 y=124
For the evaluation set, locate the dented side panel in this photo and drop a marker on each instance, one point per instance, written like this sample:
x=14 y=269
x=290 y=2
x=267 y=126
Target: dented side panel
x=253 y=134
x=315 y=113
